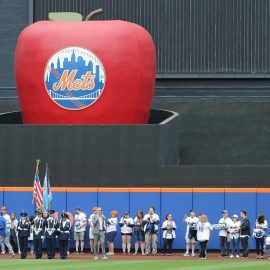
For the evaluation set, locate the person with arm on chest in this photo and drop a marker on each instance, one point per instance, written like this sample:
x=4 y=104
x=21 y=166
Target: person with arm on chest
x=38 y=234
x=151 y=221
x=244 y=233
x=99 y=222
x=169 y=235
x=126 y=224
x=111 y=231
x=50 y=231
x=79 y=229
x=64 y=235
x=234 y=230
x=23 y=234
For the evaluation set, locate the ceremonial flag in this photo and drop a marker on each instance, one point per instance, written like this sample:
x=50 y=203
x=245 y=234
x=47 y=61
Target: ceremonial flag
x=37 y=189
x=47 y=193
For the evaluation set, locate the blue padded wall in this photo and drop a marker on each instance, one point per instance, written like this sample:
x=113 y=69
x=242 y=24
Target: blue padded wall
x=176 y=203
x=263 y=202
x=18 y=201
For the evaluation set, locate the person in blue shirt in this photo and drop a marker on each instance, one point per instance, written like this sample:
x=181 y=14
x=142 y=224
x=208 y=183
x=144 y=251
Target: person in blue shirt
x=2 y=227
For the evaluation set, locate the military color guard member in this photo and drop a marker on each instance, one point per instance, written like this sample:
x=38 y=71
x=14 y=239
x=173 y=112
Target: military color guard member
x=50 y=231
x=23 y=234
x=38 y=234
x=64 y=235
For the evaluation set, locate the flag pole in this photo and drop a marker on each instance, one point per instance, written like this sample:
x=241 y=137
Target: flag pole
x=38 y=161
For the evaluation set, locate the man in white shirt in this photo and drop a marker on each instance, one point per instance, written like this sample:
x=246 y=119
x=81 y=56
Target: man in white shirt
x=151 y=221
x=191 y=232
x=224 y=239
x=79 y=229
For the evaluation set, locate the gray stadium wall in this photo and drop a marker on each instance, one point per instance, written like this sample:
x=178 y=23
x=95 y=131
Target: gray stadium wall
x=213 y=69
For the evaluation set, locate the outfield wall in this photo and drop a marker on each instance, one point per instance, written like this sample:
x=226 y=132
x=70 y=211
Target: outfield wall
x=174 y=200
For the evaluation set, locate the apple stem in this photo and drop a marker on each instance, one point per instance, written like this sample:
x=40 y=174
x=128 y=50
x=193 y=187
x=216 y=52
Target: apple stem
x=93 y=14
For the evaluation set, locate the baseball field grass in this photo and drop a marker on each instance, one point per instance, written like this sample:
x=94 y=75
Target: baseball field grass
x=131 y=264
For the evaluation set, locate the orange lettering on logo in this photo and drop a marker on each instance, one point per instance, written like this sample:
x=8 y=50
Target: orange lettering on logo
x=67 y=81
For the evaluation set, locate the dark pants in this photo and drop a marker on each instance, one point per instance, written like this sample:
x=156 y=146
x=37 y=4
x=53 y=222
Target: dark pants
x=203 y=246
x=167 y=244
x=244 y=242
x=63 y=248
x=50 y=243
x=224 y=246
x=23 y=242
x=259 y=245
x=38 y=247
x=13 y=240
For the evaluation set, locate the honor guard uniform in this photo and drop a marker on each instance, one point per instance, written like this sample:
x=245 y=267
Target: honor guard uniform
x=50 y=231
x=38 y=234
x=64 y=235
x=23 y=234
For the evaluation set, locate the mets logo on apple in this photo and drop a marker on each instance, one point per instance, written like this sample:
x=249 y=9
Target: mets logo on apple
x=74 y=78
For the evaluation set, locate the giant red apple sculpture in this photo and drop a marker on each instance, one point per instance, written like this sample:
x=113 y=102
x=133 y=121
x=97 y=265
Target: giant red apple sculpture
x=97 y=72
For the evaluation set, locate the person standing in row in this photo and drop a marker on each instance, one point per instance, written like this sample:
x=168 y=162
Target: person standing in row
x=38 y=234
x=191 y=232
x=259 y=233
x=7 y=237
x=91 y=236
x=203 y=234
x=169 y=235
x=244 y=233
x=126 y=223
x=13 y=232
x=63 y=230
x=234 y=230
x=79 y=229
x=151 y=221
x=224 y=240
x=111 y=231
x=50 y=231
x=99 y=222
x=139 y=232
x=23 y=234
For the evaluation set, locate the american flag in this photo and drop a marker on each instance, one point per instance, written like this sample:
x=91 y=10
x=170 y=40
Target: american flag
x=37 y=191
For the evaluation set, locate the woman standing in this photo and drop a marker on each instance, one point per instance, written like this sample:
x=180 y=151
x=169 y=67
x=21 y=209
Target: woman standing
x=139 y=232
x=259 y=233
x=13 y=232
x=111 y=231
x=234 y=232
x=126 y=223
x=203 y=234
x=169 y=235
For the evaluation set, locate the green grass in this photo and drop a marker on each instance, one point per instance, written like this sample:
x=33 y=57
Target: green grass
x=132 y=265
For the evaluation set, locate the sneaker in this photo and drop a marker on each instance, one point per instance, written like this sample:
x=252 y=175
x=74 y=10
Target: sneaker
x=169 y=254
x=12 y=255
x=237 y=256
x=261 y=257
x=96 y=257
x=193 y=254
x=257 y=257
x=162 y=254
x=231 y=256
x=108 y=254
x=134 y=254
x=3 y=252
x=104 y=257
x=186 y=254
x=82 y=252
x=92 y=252
x=124 y=253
